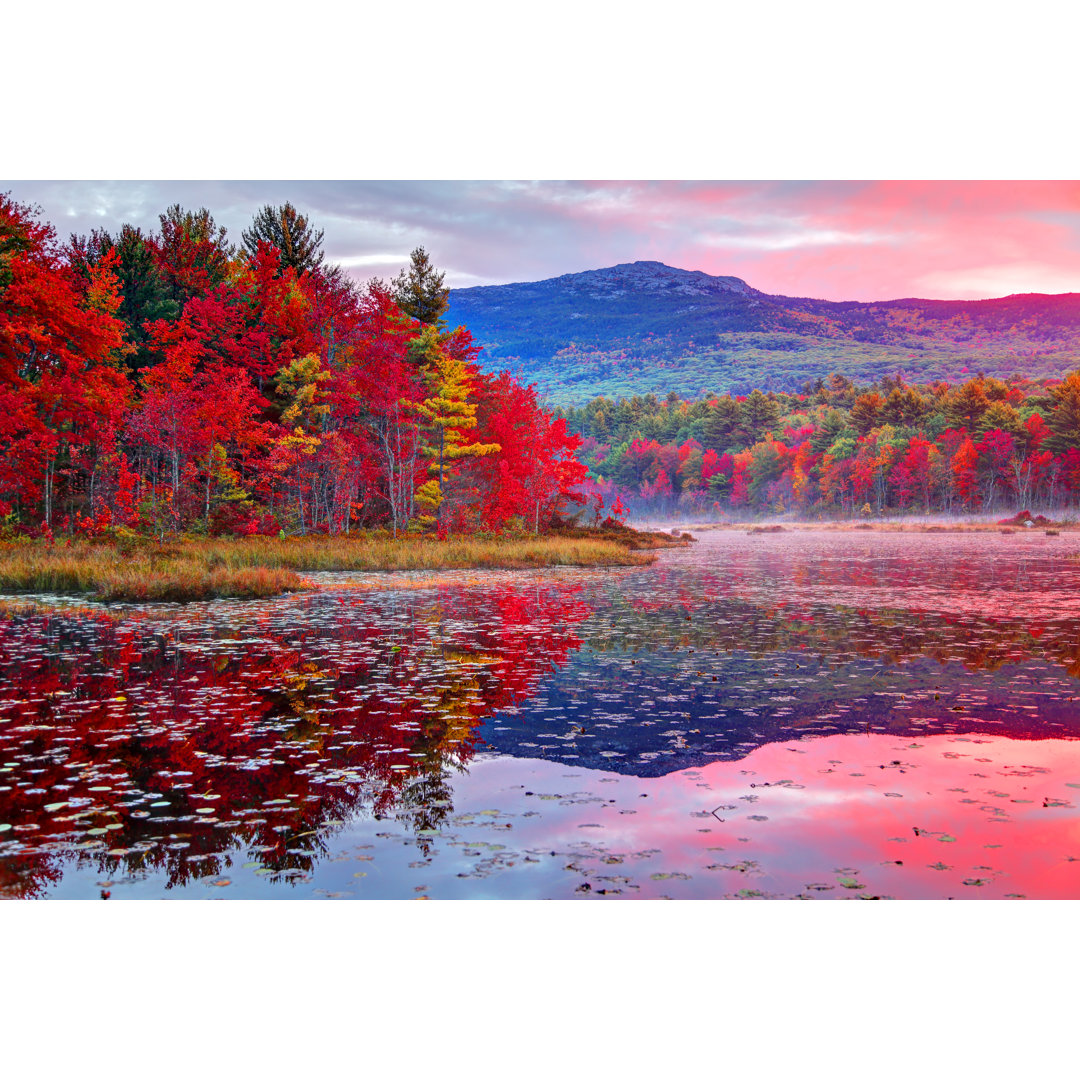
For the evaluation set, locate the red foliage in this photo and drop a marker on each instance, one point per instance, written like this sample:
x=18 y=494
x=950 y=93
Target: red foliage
x=61 y=388
x=535 y=474
x=963 y=469
x=270 y=401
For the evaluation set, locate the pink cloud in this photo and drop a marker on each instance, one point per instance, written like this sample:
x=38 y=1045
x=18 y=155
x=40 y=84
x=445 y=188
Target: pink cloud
x=839 y=240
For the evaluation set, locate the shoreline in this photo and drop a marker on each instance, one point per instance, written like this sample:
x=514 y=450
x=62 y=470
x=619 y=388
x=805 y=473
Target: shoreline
x=140 y=570
x=918 y=527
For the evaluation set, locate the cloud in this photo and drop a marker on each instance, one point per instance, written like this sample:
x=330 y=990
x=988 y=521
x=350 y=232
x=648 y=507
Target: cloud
x=977 y=282
x=843 y=240
x=797 y=238
x=350 y=261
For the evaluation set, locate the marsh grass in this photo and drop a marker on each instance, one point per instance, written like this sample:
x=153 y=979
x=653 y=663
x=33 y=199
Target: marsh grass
x=629 y=538
x=259 y=567
x=418 y=553
x=110 y=573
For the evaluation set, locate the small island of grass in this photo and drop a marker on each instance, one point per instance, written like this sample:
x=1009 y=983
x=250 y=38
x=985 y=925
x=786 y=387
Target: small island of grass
x=142 y=570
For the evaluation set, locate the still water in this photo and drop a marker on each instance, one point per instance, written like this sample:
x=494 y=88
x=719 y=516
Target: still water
x=811 y=715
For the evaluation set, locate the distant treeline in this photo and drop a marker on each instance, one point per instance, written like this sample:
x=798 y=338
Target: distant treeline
x=838 y=449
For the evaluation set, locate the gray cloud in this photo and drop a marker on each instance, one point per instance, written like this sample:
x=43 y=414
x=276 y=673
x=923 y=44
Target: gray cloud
x=842 y=240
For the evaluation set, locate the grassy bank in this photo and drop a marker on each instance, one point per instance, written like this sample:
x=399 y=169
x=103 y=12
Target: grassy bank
x=262 y=566
x=109 y=573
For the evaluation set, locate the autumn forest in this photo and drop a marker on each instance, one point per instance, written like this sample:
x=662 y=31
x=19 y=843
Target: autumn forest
x=837 y=449
x=174 y=381
x=308 y=589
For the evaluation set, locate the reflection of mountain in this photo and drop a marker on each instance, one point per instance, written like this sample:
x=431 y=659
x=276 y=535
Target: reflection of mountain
x=160 y=743
x=657 y=722
x=735 y=648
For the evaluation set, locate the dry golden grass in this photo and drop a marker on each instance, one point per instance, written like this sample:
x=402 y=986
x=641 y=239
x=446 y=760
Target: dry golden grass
x=627 y=537
x=418 y=553
x=263 y=566
x=110 y=573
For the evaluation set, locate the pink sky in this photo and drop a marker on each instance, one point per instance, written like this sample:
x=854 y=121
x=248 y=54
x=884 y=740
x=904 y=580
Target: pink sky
x=838 y=240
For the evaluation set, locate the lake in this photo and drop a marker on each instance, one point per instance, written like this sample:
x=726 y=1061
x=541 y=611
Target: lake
x=820 y=715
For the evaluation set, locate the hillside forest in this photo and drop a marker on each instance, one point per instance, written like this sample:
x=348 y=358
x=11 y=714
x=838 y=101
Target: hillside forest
x=645 y=327
x=836 y=449
x=173 y=381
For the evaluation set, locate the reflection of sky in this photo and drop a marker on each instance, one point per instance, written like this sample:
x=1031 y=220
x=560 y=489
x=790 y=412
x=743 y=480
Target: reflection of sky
x=837 y=240
x=825 y=821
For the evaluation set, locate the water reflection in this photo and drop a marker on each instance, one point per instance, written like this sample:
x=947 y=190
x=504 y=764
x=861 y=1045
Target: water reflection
x=158 y=740
x=354 y=740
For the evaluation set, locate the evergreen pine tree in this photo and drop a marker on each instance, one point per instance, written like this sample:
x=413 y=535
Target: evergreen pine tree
x=419 y=291
x=290 y=232
x=144 y=294
x=720 y=424
x=1064 y=421
x=760 y=414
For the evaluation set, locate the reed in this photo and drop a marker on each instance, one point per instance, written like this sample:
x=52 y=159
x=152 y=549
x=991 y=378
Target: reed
x=418 y=553
x=258 y=567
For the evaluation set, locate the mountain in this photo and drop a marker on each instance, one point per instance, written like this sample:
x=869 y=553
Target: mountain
x=645 y=327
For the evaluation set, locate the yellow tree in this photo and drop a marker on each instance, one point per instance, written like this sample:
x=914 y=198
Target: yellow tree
x=299 y=384
x=448 y=415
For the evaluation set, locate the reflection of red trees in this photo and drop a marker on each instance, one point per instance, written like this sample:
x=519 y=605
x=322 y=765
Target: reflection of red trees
x=988 y=580
x=718 y=614
x=259 y=740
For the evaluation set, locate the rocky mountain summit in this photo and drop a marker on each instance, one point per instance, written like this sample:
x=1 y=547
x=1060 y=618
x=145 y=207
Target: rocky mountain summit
x=646 y=327
x=648 y=277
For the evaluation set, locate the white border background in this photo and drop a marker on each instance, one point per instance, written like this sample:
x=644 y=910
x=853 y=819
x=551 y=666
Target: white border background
x=559 y=90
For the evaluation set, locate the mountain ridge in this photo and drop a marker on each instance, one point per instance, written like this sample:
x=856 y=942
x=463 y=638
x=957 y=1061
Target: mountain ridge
x=646 y=327
x=644 y=270
x=744 y=287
